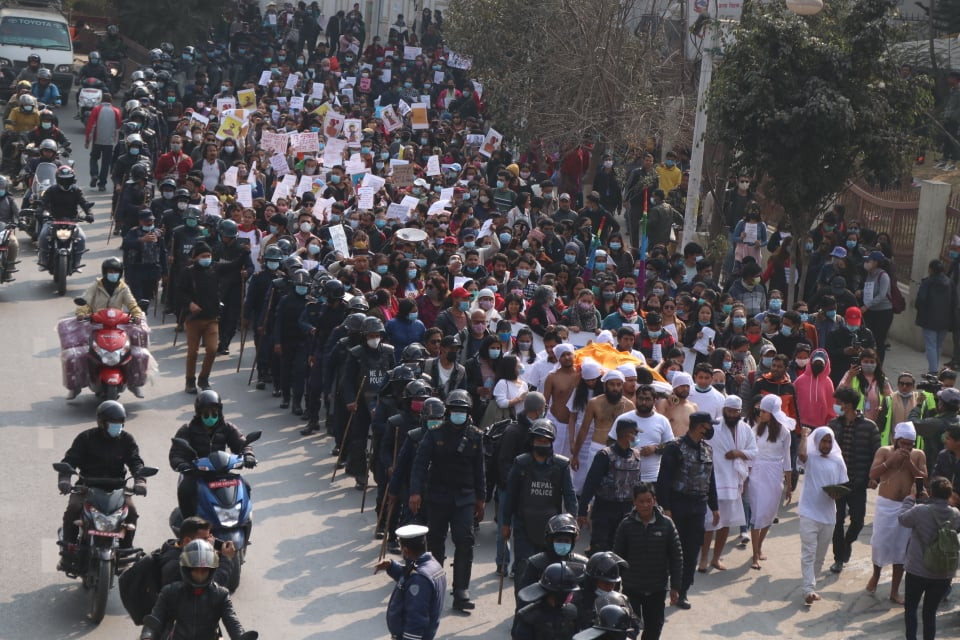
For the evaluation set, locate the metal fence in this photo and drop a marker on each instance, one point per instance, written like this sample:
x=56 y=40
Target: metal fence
x=893 y=212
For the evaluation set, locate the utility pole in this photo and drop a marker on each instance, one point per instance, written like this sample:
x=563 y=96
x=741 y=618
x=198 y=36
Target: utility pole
x=699 y=133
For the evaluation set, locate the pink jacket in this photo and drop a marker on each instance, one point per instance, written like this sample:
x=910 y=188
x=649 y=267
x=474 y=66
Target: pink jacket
x=815 y=394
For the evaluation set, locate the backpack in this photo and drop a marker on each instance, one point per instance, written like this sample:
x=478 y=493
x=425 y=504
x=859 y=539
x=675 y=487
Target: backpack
x=493 y=437
x=943 y=552
x=894 y=296
x=140 y=586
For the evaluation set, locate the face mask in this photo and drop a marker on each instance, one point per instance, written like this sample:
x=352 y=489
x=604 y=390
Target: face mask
x=504 y=237
x=499 y=184
x=274 y=229
x=335 y=179
x=301 y=289
x=463 y=305
x=868 y=368
x=134 y=151
x=753 y=338
x=766 y=361
x=727 y=308
x=601 y=266
x=46 y=125
x=837 y=409
x=458 y=418
x=373 y=343
x=486 y=305
x=469 y=244
x=205 y=262
x=210 y=421
x=786 y=331
x=420 y=262
x=808 y=246
x=585 y=306
x=831 y=315
x=609 y=295
x=727 y=364
x=485 y=200
x=654 y=334
x=775 y=304
x=494 y=353
x=113 y=430
x=851 y=244
x=411 y=273
x=658 y=292
x=524 y=346
x=562 y=548
x=740 y=355
x=852 y=327
x=631 y=290
x=113 y=277
x=306 y=227
x=523 y=274
x=628 y=307
x=273 y=265
x=334 y=217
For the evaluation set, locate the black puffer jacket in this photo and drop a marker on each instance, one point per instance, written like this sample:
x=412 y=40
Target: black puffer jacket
x=865 y=442
x=197 y=613
x=224 y=436
x=652 y=551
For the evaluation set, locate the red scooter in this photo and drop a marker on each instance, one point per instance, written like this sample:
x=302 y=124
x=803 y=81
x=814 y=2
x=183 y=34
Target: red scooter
x=110 y=352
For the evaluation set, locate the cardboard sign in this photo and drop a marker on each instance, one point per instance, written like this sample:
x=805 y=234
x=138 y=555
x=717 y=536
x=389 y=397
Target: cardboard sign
x=226 y=104
x=279 y=164
x=386 y=75
x=397 y=212
x=316 y=91
x=491 y=142
x=418 y=117
x=282 y=192
x=247 y=98
x=305 y=184
x=274 y=142
x=200 y=119
x=433 y=166
x=391 y=122
x=439 y=77
x=403 y=175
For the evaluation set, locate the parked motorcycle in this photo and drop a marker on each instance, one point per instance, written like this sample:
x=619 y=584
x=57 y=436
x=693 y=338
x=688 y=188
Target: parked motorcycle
x=223 y=499
x=97 y=556
x=91 y=91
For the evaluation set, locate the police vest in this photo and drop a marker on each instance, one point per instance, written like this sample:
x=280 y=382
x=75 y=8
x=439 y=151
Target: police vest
x=454 y=452
x=541 y=494
x=622 y=476
x=693 y=477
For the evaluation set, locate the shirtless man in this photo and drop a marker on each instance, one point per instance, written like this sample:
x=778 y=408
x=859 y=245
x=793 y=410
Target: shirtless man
x=557 y=388
x=601 y=412
x=677 y=408
x=629 y=382
x=896 y=467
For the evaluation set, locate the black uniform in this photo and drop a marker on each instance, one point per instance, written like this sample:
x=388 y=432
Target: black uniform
x=535 y=566
x=371 y=367
x=145 y=262
x=550 y=618
x=132 y=199
x=400 y=480
x=319 y=319
x=232 y=259
x=288 y=334
x=449 y=469
x=611 y=478
x=259 y=288
x=179 y=249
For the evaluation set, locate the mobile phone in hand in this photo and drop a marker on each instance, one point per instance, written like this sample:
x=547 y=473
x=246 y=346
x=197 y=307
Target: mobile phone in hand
x=217 y=544
x=919 y=486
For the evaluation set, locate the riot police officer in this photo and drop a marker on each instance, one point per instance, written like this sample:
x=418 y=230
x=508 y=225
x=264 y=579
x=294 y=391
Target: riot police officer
x=319 y=319
x=614 y=622
x=233 y=259
x=337 y=351
x=602 y=576
x=131 y=199
x=367 y=370
x=259 y=288
x=417 y=600
x=165 y=203
x=290 y=342
x=145 y=256
x=182 y=241
x=449 y=469
x=547 y=613
x=561 y=535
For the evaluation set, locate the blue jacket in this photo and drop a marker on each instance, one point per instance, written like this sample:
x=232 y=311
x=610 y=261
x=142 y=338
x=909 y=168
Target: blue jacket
x=402 y=333
x=49 y=96
x=416 y=602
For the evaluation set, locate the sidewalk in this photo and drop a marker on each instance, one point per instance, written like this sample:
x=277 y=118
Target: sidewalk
x=902 y=357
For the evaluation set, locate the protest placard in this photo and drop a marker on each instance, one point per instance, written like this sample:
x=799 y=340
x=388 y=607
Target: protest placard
x=247 y=98
x=230 y=177
x=226 y=104
x=418 y=116
x=397 y=212
x=229 y=128
x=296 y=103
x=279 y=164
x=403 y=175
x=245 y=195
x=391 y=122
x=433 y=166
x=411 y=53
x=274 y=142
x=491 y=142
x=365 y=198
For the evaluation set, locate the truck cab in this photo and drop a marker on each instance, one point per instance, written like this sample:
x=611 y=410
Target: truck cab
x=40 y=27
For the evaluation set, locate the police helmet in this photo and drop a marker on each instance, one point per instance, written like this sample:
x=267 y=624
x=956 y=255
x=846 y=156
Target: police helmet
x=354 y=322
x=614 y=618
x=292 y=264
x=372 y=325
x=416 y=389
x=333 y=290
x=605 y=566
x=402 y=374
x=433 y=409
x=414 y=352
x=138 y=172
x=228 y=229
x=168 y=184
x=286 y=247
x=111 y=264
x=561 y=524
x=459 y=399
x=182 y=193
x=559 y=578
x=300 y=277
x=543 y=428
x=272 y=252
x=358 y=303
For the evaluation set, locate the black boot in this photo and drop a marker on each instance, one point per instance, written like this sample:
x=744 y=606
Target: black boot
x=312 y=427
x=203 y=382
x=462 y=568
x=296 y=408
x=191 y=386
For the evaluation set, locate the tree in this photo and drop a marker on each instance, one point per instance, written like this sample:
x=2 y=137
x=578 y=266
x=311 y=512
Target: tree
x=808 y=104
x=151 y=23
x=559 y=70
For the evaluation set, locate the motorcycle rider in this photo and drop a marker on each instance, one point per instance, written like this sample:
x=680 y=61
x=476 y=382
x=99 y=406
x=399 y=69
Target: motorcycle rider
x=22 y=119
x=234 y=263
x=145 y=254
x=206 y=432
x=196 y=605
x=61 y=202
x=9 y=214
x=94 y=68
x=29 y=72
x=44 y=90
x=365 y=373
x=48 y=130
x=449 y=469
x=194 y=528
x=112 y=47
x=290 y=341
x=101 y=452
x=320 y=318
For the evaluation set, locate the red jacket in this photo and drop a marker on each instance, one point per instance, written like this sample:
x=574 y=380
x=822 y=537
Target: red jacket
x=167 y=163
x=92 y=120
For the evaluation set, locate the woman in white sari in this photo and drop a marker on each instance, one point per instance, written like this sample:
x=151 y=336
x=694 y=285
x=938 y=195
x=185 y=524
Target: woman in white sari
x=770 y=471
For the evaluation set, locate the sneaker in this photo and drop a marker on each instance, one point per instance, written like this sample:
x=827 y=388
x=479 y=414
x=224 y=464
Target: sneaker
x=191 y=386
x=136 y=391
x=836 y=567
x=223 y=351
x=744 y=540
x=683 y=603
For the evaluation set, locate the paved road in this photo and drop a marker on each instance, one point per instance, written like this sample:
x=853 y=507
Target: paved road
x=309 y=571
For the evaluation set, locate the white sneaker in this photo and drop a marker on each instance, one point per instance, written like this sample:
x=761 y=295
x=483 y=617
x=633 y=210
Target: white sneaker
x=73 y=393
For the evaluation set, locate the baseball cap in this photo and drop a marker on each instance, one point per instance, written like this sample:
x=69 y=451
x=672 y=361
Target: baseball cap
x=853 y=314
x=839 y=252
x=460 y=292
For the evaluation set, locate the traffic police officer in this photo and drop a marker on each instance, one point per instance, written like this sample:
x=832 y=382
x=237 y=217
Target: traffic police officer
x=449 y=469
x=145 y=257
x=416 y=602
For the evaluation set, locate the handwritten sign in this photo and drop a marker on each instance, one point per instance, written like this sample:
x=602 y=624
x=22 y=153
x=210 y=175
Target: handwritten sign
x=365 y=198
x=279 y=164
x=226 y=104
x=411 y=53
x=403 y=175
x=397 y=212
x=308 y=142
x=339 y=239
x=296 y=103
x=433 y=166
x=245 y=195
x=275 y=142
x=374 y=182
x=230 y=177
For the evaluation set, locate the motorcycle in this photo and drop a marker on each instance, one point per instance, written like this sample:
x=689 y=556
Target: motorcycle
x=14 y=148
x=32 y=217
x=223 y=499
x=97 y=556
x=110 y=351
x=64 y=235
x=5 y=265
x=115 y=69
x=91 y=90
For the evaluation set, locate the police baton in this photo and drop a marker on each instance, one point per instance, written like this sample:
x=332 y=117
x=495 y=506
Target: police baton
x=366 y=480
x=383 y=502
x=503 y=571
x=243 y=330
x=346 y=431
x=386 y=534
x=176 y=327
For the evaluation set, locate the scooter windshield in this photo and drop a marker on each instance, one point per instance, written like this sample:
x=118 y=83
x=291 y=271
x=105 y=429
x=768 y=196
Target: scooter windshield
x=46 y=173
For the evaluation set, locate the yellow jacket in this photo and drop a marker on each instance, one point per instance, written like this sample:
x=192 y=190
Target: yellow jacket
x=22 y=121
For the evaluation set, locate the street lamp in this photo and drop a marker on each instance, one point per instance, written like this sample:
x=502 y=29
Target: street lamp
x=805 y=7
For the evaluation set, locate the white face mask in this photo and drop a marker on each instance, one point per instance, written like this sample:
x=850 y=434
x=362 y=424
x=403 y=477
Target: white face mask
x=607 y=164
x=373 y=343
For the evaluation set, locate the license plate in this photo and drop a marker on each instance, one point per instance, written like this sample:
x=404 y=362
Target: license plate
x=107 y=534
x=219 y=484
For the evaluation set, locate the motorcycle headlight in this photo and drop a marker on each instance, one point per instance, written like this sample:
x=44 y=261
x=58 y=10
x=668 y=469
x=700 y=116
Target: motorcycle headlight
x=228 y=516
x=104 y=522
x=109 y=358
x=64 y=234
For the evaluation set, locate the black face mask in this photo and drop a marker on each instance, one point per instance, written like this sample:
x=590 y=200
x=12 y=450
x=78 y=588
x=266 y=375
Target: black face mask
x=543 y=449
x=818 y=367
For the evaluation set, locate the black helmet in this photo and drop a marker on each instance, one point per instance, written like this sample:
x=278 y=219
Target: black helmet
x=358 y=303
x=354 y=322
x=228 y=229
x=111 y=264
x=433 y=409
x=605 y=566
x=402 y=374
x=459 y=399
x=206 y=399
x=192 y=213
x=181 y=193
x=66 y=178
x=138 y=172
x=372 y=325
x=333 y=290
x=414 y=352
x=110 y=411
x=170 y=183
x=613 y=617
x=562 y=523
x=272 y=252
x=300 y=276
x=543 y=428
x=416 y=389
x=292 y=264
x=608 y=598
x=286 y=247
x=559 y=577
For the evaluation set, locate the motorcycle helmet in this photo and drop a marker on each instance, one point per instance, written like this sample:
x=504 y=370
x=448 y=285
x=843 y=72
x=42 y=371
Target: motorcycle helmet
x=228 y=229
x=44 y=74
x=198 y=554
x=562 y=523
x=272 y=253
x=358 y=303
x=94 y=57
x=181 y=193
x=543 y=428
x=433 y=409
x=372 y=325
x=300 y=277
x=354 y=322
x=111 y=264
x=47 y=116
x=133 y=139
x=113 y=30
x=110 y=411
x=414 y=352
x=605 y=566
x=333 y=290
x=459 y=399
x=207 y=399
x=66 y=178
x=33 y=57
x=27 y=102
x=138 y=172
x=49 y=145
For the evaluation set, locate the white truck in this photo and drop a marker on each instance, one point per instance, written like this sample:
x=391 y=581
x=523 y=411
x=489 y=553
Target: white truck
x=40 y=27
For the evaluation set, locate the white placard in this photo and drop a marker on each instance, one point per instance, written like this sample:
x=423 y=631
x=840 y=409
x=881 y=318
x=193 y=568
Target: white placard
x=230 y=177
x=292 y=81
x=397 y=212
x=374 y=182
x=316 y=91
x=226 y=104
x=339 y=239
x=333 y=152
x=365 y=198
x=305 y=184
x=433 y=166
x=211 y=206
x=437 y=207
x=485 y=230
x=308 y=142
x=750 y=233
x=252 y=175
x=702 y=345
x=868 y=289
x=264 y=78
x=274 y=142
x=290 y=180
x=245 y=195
x=296 y=103
x=281 y=192
x=439 y=77
x=491 y=142
x=404 y=108
x=279 y=164
x=410 y=202
x=656 y=353
x=411 y=53
x=447 y=194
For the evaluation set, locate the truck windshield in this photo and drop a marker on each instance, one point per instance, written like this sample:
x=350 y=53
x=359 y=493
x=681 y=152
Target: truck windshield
x=34 y=32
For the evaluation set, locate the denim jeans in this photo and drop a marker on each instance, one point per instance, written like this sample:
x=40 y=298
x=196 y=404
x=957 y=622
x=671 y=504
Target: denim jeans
x=932 y=345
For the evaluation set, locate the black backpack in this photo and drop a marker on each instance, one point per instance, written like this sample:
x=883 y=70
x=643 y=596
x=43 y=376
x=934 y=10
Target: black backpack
x=493 y=437
x=140 y=586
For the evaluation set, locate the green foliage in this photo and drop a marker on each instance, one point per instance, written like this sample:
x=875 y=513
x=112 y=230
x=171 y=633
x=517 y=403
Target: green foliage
x=810 y=103
x=156 y=21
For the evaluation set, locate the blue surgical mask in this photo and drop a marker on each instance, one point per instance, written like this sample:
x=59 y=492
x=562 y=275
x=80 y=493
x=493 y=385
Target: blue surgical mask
x=775 y=304
x=808 y=246
x=434 y=424
x=654 y=334
x=505 y=238
x=148 y=229
x=463 y=305
x=766 y=361
x=727 y=308
x=274 y=228
x=114 y=429
x=335 y=179
x=615 y=246
x=953 y=254
x=500 y=184
x=382 y=268
x=831 y=315
x=301 y=289
x=420 y=262
x=523 y=273
x=504 y=337
x=562 y=548
x=113 y=277
x=411 y=273
x=314 y=249
x=469 y=244
x=205 y=262
x=273 y=265
x=494 y=353
x=364 y=150
x=670 y=163
x=210 y=421
x=804 y=316
x=852 y=327
x=134 y=151
x=727 y=364
x=413 y=315
x=786 y=331
x=3 y=193
x=628 y=307
x=837 y=409
x=851 y=244
x=458 y=417
x=739 y=322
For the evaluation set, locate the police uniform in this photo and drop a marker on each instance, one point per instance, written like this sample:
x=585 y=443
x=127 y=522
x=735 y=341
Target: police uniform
x=610 y=480
x=233 y=258
x=145 y=262
x=413 y=612
x=371 y=367
x=182 y=241
x=319 y=319
x=290 y=337
x=259 y=288
x=449 y=470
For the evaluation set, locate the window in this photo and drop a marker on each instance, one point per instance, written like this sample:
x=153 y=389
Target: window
x=33 y=32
